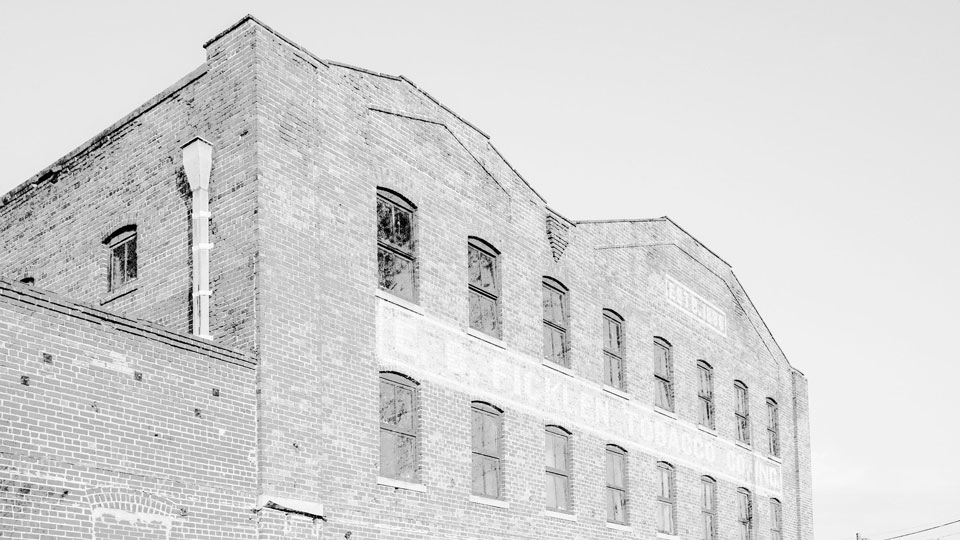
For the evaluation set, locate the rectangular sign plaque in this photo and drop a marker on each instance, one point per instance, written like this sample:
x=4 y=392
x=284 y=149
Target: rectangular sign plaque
x=696 y=306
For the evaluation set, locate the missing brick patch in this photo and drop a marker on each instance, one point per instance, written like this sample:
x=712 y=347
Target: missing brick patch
x=47 y=358
x=25 y=380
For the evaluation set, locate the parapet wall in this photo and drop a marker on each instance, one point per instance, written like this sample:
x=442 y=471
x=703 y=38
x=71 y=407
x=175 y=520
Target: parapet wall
x=114 y=428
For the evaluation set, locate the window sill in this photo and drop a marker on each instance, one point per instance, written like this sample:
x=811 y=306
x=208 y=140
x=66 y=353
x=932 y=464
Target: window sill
x=669 y=414
x=118 y=294
x=776 y=459
x=496 y=342
x=616 y=391
x=708 y=431
x=400 y=484
x=560 y=515
x=557 y=367
x=619 y=527
x=397 y=301
x=744 y=445
x=666 y=536
x=488 y=501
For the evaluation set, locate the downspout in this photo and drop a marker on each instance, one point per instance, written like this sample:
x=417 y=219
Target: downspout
x=197 y=162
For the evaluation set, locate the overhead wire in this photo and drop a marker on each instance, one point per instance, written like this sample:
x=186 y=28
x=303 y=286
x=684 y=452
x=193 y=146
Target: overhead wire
x=923 y=530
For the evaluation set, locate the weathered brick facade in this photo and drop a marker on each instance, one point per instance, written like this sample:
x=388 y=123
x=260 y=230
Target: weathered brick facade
x=300 y=148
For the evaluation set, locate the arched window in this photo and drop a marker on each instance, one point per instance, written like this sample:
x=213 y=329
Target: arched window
x=773 y=428
x=398 y=427
x=616 y=484
x=776 y=520
x=557 y=469
x=744 y=513
x=705 y=394
x=742 y=411
x=122 y=268
x=483 y=272
x=666 y=498
x=613 y=349
x=708 y=507
x=663 y=373
x=396 y=244
x=486 y=430
x=556 y=314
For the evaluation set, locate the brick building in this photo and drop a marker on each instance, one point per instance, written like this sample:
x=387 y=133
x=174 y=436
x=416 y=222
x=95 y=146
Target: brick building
x=496 y=371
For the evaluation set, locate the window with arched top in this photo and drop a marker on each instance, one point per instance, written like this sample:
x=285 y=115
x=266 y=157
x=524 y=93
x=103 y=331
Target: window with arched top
x=776 y=520
x=557 y=469
x=708 y=507
x=773 y=428
x=744 y=514
x=122 y=266
x=396 y=244
x=663 y=373
x=616 y=484
x=399 y=420
x=666 y=498
x=742 y=411
x=613 y=350
x=705 y=415
x=556 y=315
x=483 y=284
x=487 y=450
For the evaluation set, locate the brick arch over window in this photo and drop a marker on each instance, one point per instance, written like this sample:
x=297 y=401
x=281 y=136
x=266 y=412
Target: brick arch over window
x=557 y=469
x=706 y=413
x=486 y=428
x=663 y=373
x=399 y=427
x=397 y=244
x=614 y=350
x=556 y=322
x=122 y=265
x=616 y=482
x=126 y=512
x=484 y=286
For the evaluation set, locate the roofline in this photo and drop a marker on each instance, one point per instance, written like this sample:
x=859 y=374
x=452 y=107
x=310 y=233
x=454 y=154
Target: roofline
x=20 y=292
x=249 y=17
x=51 y=172
x=647 y=220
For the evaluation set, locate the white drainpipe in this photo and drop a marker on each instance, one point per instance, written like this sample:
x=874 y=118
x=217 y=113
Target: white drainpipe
x=197 y=162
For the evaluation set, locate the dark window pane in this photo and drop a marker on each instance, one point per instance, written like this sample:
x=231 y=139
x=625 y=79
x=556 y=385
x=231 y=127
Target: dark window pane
x=388 y=453
x=403 y=236
x=663 y=395
x=387 y=407
x=406 y=458
x=384 y=221
x=131 y=259
x=396 y=273
x=616 y=506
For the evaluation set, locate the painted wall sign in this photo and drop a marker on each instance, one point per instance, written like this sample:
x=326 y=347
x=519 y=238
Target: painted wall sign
x=696 y=306
x=430 y=350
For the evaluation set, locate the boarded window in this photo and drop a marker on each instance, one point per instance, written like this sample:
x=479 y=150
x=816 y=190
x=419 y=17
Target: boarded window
x=708 y=507
x=663 y=373
x=122 y=268
x=773 y=428
x=744 y=514
x=395 y=245
x=616 y=484
x=613 y=353
x=776 y=520
x=484 y=287
x=742 y=411
x=705 y=394
x=486 y=427
x=555 y=316
x=398 y=428
x=557 y=470
x=666 y=501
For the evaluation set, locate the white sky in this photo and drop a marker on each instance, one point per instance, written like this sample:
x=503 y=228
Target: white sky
x=813 y=144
